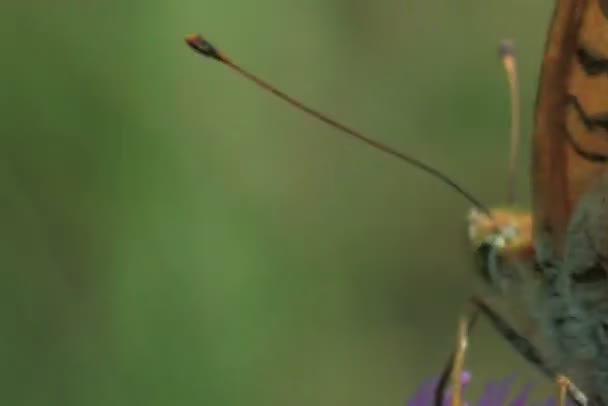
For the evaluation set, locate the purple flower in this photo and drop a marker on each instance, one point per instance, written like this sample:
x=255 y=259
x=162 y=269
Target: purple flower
x=495 y=393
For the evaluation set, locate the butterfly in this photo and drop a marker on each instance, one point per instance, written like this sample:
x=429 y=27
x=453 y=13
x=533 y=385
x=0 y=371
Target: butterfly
x=568 y=249
x=559 y=252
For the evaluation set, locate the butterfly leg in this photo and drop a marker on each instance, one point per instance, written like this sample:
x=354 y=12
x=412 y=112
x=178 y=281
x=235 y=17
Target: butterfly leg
x=519 y=343
x=458 y=367
x=565 y=388
x=453 y=370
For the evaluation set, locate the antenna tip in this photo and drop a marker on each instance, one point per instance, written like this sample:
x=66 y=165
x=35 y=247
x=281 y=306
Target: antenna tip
x=506 y=48
x=203 y=47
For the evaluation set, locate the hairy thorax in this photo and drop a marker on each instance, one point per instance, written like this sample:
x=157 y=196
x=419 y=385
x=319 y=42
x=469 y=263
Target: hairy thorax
x=572 y=304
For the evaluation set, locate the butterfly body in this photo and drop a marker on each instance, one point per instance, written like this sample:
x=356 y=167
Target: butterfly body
x=572 y=303
x=571 y=194
x=569 y=241
x=565 y=296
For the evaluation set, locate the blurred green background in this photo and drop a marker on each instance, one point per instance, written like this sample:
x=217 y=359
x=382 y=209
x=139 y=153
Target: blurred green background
x=172 y=235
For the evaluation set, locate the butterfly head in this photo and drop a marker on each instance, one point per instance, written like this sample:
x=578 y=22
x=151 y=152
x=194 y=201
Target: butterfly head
x=508 y=230
x=503 y=239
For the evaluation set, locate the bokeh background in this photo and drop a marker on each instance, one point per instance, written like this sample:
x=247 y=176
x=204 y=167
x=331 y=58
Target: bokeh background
x=172 y=235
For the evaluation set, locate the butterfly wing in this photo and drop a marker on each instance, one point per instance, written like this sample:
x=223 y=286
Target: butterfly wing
x=570 y=141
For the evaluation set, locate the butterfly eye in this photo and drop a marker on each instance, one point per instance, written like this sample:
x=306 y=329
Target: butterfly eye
x=596 y=273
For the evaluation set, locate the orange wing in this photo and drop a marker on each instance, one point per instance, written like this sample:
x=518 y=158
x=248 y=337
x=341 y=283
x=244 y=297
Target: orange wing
x=570 y=142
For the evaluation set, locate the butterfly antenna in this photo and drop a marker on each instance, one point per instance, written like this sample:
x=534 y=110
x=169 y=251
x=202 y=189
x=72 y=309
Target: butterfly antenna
x=204 y=47
x=507 y=55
